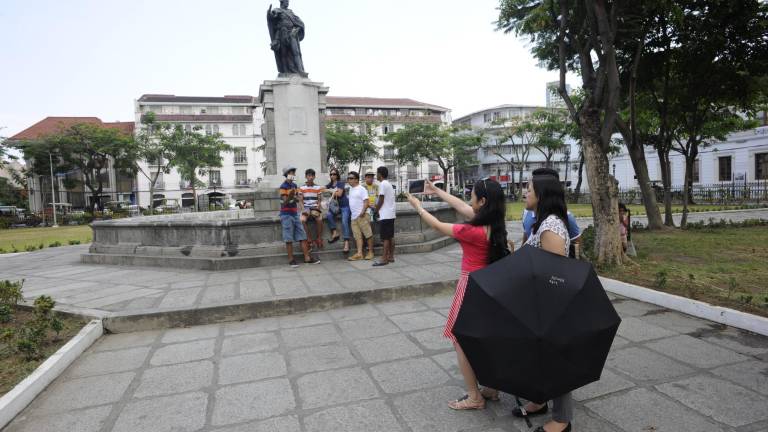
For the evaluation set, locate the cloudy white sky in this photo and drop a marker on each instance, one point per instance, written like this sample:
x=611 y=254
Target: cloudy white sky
x=94 y=57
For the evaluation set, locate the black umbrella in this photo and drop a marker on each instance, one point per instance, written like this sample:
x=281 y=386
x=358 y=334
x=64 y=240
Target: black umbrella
x=536 y=324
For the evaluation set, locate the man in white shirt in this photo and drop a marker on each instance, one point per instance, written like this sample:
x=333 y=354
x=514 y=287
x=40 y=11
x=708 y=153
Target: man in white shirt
x=361 y=225
x=385 y=207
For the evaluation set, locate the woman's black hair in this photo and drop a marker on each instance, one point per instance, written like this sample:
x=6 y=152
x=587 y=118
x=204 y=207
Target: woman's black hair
x=549 y=191
x=492 y=215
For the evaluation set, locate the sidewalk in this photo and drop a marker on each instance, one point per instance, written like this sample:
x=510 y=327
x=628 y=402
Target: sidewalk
x=385 y=367
x=102 y=290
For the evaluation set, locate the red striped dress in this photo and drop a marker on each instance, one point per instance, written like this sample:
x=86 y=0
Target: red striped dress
x=474 y=247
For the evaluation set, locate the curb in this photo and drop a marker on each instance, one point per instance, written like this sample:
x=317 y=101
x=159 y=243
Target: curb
x=154 y=320
x=699 y=309
x=13 y=402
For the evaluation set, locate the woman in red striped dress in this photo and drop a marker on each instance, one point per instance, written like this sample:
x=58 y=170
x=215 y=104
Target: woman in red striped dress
x=483 y=240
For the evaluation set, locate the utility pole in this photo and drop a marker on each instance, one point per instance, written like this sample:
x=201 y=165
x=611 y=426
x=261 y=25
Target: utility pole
x=53 y=192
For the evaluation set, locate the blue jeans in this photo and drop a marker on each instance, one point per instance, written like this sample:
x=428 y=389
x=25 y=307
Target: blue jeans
x=293 y=230
x=346 y=228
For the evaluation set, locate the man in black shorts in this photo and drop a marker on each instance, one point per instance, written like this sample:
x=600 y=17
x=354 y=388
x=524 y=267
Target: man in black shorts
x=385 y=207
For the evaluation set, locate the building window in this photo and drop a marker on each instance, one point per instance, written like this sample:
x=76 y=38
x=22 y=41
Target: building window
x=188 y=127
x=242 y=130
x=214 y=178
x=241 y=178
x=724 y=168
x=761 y=166
x=389 y=152
x=208 y=130
x=235 y=130
x=412 y=173
x=212 y=110
x=433 y=170
x=160 y=183
x=487 y=117
x=241 y=157
x=696 y=169
x=215 y=129
x=392 y=172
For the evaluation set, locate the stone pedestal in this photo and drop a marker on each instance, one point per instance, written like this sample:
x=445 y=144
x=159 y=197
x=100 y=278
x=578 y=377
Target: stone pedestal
x=293 y=128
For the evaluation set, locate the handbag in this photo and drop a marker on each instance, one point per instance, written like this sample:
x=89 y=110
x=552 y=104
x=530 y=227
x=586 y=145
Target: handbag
x=333 y=207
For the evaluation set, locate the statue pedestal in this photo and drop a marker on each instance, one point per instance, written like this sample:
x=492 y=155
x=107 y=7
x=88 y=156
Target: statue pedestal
x=293 y=131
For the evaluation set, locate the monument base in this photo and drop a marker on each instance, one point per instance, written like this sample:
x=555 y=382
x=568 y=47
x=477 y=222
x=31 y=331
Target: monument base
x=294 y=132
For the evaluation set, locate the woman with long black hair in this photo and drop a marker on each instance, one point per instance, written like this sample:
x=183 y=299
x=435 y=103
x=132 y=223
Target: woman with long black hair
x=546 y=197
x=483 y=240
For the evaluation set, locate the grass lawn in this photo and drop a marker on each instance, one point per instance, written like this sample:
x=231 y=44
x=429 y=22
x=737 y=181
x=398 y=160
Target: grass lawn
x=13 y=367
x=703 y=264
x=515 y=209
x=20 y=238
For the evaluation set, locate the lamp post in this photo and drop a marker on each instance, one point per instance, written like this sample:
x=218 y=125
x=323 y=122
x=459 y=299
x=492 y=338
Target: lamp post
x=53 y=192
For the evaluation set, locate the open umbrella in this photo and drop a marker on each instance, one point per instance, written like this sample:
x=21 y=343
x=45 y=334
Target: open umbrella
x=536 y=325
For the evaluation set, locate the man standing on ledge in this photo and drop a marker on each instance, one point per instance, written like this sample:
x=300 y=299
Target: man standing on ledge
x=385 y=207
x=293 y=231
x=286 y=30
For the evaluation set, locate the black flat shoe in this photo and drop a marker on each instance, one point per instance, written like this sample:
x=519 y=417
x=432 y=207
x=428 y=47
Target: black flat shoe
x=541 y=429
x=521 y=411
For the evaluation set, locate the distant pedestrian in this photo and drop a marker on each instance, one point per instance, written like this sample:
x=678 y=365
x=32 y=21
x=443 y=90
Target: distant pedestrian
x=483 y=241
x=293 y=231
x=361 y=224
x=338 y=207
x=385 y=207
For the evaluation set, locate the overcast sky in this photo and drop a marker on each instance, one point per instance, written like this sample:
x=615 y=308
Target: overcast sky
x=94 y=57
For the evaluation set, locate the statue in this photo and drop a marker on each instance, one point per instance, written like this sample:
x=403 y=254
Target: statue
x=286 y=30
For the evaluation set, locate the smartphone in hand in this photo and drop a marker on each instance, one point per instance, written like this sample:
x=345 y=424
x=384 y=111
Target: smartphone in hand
x=416 y=186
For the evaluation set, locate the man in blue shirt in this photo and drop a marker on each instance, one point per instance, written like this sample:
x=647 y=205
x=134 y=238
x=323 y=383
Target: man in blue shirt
x=529 y=216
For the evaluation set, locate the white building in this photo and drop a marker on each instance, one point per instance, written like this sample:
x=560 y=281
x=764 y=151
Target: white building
x=493 y=122
x=743 y=157
x=554 y=100
x=388 y=115
x=237 y=118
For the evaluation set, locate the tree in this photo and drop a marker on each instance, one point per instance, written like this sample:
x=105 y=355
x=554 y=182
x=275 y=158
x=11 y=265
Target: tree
x=448 y=147
x=88 y=148
x=551 y=128
x=581 y=36
x=350 y=144
x=709 y=78
x=195 y=154
x=155 y=143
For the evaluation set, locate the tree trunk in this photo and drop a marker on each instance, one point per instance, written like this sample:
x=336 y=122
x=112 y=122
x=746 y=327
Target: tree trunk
x=445 y=178
x=193 y=181
x=689 y=160
x=666 y=182
x=637 y=156
x=603 y=190
x=577 y=191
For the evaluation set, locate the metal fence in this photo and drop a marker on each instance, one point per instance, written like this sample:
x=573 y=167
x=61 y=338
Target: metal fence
x=716 y=194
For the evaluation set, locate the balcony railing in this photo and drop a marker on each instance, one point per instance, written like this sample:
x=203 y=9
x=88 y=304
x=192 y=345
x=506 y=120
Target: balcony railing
x=243 y=183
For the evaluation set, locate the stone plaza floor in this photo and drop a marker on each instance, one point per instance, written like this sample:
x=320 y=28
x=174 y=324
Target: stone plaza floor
x=385 y=367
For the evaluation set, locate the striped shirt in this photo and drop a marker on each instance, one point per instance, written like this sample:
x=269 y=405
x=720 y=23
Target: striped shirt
x=310 y=195
x=289 y=206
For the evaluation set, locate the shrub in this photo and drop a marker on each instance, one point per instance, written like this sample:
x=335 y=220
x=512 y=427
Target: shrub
x=588 y=243
x=55 y=244
x=660 y=280
x=10 y=292
x=6 y=313
x=30 y=248
x=74 y=242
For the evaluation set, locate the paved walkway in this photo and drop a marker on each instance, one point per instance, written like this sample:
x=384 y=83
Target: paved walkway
x=101 y=289
x=385 y=367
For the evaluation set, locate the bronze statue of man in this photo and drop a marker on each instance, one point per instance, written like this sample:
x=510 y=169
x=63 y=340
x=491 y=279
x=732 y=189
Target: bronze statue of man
x=286 y=31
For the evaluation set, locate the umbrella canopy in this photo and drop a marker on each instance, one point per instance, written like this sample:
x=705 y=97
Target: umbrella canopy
x=536 y=325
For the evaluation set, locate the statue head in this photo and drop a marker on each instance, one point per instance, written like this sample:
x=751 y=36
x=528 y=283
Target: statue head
x=284 y=4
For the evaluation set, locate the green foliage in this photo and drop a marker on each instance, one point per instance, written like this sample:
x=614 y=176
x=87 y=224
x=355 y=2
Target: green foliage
x=30 y=338
x=448 y=147
x=195 y=154
x=74 y=242
x=55 y=244
x=30 y=248
x=660 y=280
x=348 y=144
x=6 y=313
x=588 y=243
x=690 y=286
x=11 y=292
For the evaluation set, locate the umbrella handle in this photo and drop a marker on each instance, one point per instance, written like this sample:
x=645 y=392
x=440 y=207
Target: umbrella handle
x=520 y=405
